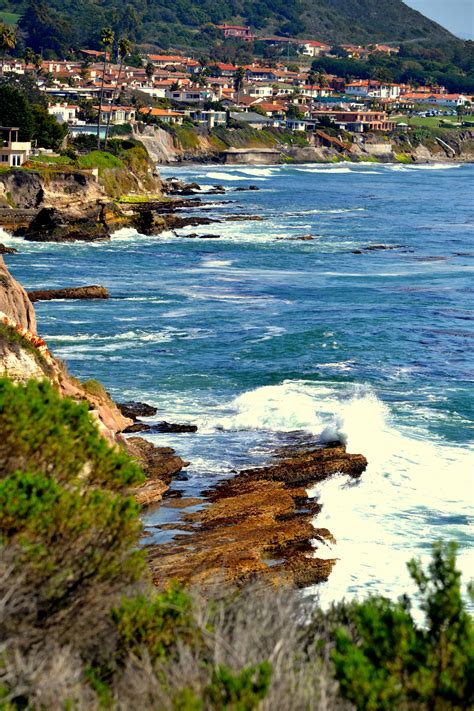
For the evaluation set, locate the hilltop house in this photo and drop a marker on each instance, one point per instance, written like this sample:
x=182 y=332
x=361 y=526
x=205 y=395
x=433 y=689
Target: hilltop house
x=13 y=152
x=238 y=31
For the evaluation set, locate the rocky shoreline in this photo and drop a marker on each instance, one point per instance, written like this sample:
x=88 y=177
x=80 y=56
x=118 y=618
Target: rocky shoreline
x=256 y=523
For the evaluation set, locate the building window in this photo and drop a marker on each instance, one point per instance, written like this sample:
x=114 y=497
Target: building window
x=4 y=159
x=16 y=159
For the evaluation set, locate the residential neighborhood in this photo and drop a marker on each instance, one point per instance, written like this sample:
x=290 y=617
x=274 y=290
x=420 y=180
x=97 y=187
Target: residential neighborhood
x=172 y=89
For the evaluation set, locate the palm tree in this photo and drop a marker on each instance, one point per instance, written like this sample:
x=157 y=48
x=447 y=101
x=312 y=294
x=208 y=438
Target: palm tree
x=106 y=40
x=322 y=79
x=38 y=63
x=29 y=55
x=7 y=41
x=239 y=81
x=124 y=47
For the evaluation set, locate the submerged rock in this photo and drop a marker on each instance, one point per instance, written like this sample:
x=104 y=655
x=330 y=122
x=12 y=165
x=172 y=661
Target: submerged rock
x=244 y=218
x=76 y=292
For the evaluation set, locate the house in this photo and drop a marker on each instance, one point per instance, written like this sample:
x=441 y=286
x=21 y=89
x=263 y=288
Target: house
x=385 y=49
x=94 y=54
x=209 y=118
x=452 y=101
x=167 y=60
x=252 y=119
x=194 y=96
x=119 y=114
x=358 y=121
x=222 y=69
x=312 y=48
x=256 y=73
x=64 y=113
x=165 y=115
x=259 y=90
x=13 y=152
x=272 y=108
x=238 y=31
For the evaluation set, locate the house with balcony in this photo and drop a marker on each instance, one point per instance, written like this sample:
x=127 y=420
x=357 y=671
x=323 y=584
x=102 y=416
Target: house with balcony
x=119 y=114
x=13 y=152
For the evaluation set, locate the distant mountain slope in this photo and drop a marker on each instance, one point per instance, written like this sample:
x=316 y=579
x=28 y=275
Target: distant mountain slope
x=60 y=24
x=369 y=20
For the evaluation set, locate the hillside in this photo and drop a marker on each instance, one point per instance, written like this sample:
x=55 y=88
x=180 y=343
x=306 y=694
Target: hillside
x=59 y=25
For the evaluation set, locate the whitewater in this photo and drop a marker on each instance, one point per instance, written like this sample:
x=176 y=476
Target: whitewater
x=259 y=338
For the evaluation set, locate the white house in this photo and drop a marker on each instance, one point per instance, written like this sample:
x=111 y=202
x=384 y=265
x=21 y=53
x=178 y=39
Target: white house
x=13 y=152
x=451 y=101
x=194 y=96
x=259 y=90
x=64 y=113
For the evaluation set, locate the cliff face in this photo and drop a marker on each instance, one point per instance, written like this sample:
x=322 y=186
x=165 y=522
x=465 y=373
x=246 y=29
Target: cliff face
x=31 y=190
x=24 y=355
x=14 y=301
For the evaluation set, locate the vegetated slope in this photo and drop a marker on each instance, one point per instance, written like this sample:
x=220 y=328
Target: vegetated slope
x=66 y=23
x=369 y=21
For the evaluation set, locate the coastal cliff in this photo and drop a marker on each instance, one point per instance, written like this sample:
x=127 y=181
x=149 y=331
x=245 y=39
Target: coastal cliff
x=198 y=144
x=24 y=355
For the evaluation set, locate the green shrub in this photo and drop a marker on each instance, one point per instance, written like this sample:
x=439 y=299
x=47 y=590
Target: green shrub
x=241 y=691
x=383 y=660
x=154 y=624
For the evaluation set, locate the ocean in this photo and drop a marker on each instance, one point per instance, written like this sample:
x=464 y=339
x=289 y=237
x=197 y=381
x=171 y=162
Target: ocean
x=258 y=335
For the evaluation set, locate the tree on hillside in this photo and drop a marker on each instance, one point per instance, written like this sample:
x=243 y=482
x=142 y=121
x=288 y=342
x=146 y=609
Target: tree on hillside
x=47 y=31
x=15 y=111
x=47 y=131
x=7 y=41
x=106 y=40
x=124 y=47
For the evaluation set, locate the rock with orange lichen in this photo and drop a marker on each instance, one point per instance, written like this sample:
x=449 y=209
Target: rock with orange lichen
x=257 y=524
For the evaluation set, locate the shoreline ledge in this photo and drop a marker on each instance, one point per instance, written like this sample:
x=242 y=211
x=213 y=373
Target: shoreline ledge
x=256 y=523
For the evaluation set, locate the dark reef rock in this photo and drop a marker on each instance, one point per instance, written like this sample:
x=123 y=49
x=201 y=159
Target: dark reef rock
x=52 y=225
x=7 y=250
x=244 y=218
x=74 y=292
x=171 y=427
x=159 y=464
x=133 y=409
x=137 y=427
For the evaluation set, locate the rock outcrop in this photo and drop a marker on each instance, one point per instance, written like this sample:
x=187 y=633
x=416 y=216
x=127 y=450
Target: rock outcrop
x=53 y=225
x=14 y=301
x=77 y=292
x=160 y=464
x=258 y=523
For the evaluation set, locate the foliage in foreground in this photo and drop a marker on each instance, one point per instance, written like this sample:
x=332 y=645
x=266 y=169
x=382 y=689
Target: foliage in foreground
x=83 y=628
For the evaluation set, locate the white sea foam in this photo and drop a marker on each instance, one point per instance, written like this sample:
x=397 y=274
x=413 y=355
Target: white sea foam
x=412 y=482
x=266 y=172
x=327 y=170
x=425 y=166
x=214 y=175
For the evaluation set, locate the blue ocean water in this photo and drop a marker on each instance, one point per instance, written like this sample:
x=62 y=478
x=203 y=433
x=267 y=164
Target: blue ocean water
x=256 y=335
